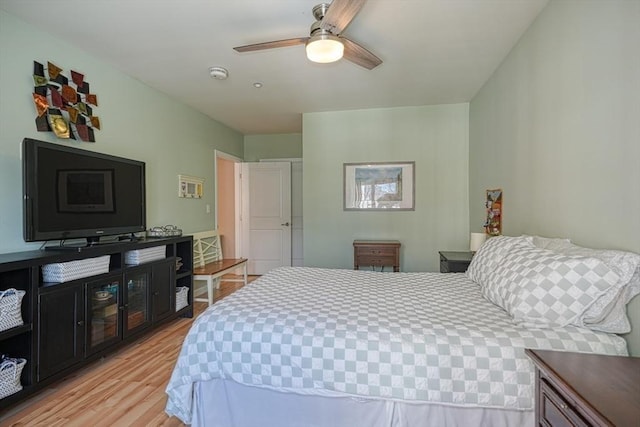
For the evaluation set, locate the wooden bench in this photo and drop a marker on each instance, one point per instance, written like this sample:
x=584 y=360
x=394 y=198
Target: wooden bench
x=210 y=266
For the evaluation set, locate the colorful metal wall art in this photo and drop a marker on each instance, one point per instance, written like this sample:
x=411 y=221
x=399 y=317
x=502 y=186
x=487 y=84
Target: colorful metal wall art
x=64 y=105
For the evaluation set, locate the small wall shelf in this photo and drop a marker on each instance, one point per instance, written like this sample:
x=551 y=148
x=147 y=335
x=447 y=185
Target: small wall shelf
x=190 y=187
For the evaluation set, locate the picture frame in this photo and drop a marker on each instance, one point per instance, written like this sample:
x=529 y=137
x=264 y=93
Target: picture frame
x=379 y=186
x=190 y=187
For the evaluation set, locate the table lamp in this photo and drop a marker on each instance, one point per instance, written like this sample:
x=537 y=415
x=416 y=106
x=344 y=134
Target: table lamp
x=476 y=240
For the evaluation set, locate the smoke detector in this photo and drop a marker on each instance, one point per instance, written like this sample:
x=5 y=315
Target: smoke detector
x=218 y=73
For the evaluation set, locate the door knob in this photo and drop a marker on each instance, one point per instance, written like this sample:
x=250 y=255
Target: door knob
x=286 y=224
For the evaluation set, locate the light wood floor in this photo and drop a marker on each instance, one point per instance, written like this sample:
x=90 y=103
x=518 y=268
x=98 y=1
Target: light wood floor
x=126 y=388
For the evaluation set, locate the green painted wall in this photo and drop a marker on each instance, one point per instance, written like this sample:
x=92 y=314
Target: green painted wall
x=272 y=146
x=137 y=122
x=558 y=128
x=435 y=137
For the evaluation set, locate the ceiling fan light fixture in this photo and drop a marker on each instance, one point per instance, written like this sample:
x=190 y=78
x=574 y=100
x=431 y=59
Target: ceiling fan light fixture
x=324 y=48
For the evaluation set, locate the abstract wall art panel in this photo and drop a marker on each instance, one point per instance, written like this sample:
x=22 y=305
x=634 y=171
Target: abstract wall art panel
x=64 y=105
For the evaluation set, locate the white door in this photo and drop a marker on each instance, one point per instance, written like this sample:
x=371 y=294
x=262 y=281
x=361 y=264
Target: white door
x=266 y=215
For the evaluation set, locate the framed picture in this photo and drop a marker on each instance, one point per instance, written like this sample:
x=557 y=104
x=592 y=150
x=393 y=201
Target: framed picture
x=379 y=186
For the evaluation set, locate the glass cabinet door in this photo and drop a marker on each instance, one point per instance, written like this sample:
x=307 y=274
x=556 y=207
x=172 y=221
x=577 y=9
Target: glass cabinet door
x=103 y=320
x=137 y=314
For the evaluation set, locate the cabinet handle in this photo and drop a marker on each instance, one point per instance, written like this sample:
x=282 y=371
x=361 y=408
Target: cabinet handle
x=80 y=323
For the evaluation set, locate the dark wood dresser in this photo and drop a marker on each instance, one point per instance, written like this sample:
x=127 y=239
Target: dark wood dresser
x=376 y=253
x=577 y=389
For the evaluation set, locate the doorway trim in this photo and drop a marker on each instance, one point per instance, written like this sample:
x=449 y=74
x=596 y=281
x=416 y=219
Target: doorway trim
x=237 y=191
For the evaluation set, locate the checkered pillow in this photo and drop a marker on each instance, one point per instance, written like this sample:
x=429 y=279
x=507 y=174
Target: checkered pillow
x=502 y=283
x=489 y=257
x=551 y=290
x=609 y=312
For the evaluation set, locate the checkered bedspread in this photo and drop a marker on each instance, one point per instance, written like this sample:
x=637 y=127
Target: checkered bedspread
x=403 y=336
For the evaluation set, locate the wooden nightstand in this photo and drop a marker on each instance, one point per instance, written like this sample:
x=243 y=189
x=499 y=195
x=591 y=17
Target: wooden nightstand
x=454 y=262
x=377 y=253
x=578 y=389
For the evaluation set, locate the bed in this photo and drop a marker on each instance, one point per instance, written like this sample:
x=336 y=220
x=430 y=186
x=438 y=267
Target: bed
x=322 y=347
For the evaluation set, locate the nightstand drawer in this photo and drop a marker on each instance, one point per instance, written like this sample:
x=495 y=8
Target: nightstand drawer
x=376 y=261
x=376 y=251
x=582 y=389
x=555 y=410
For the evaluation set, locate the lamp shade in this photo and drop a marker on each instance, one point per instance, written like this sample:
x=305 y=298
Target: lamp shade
x=324 y=48
x=476 y=240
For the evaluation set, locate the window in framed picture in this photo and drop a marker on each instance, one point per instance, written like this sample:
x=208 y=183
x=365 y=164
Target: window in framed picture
x=379 y=186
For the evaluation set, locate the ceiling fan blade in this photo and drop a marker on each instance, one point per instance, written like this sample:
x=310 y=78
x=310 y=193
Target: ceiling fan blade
x=340 y=14
x=271 y=45
x=359 y=55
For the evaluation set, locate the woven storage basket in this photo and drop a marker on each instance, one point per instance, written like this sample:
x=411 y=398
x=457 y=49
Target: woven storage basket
x=140 y=256
x=182 y=300
x=71 y=270
x=10 y=371
x=11 y=309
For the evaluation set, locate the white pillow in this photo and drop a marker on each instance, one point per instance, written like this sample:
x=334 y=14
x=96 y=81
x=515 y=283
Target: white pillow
x=550 y=243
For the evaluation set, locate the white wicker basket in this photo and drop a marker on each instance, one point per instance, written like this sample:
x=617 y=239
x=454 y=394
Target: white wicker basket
x=71 y=270
x=140 y=256
x=182 y=297
x=10 y=371
x=11 y=309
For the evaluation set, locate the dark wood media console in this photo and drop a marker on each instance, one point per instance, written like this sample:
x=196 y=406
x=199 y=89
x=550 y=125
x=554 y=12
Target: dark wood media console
x=69 y=324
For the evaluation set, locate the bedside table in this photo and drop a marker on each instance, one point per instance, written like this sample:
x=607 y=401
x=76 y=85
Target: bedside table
x=579 y=389
x=376 y=253
x=454 y=262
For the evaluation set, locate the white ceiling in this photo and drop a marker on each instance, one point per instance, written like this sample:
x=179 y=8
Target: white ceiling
x=434 y=51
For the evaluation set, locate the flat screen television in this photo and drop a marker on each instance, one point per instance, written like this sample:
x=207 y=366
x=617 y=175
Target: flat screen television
x=71 y=193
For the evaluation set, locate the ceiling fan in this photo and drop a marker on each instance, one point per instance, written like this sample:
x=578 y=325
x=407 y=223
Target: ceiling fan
x=326 y=42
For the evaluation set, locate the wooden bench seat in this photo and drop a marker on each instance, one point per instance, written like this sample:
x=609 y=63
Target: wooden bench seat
x=219 y=268
x=210 y=266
